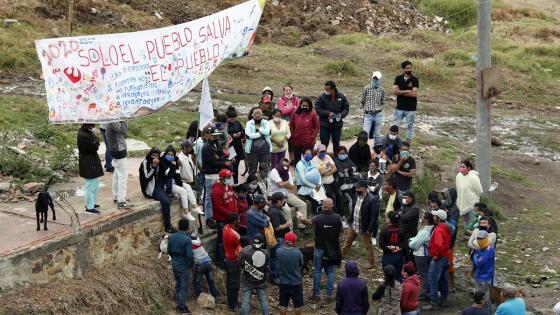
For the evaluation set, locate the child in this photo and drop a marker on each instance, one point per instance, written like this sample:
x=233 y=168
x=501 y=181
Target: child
x=483 y=260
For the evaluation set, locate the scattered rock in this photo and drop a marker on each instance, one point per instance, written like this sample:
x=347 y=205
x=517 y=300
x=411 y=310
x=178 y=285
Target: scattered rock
x=10 y=22
x=545 y=249
x=495 y=142
x=533 y=279
x=547 y=269
x=5 y=187
x=93 y=11
x=18 y=151
x=206 y=301
x=335 y=22
x=158 y=15
x=32 y=187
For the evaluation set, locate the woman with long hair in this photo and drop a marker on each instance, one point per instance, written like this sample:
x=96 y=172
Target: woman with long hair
x=469 y=190
x=304 y=127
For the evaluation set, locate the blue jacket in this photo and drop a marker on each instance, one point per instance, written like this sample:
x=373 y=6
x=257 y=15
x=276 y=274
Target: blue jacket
x=483 y=260
x=511 y=307
x=256 y=221
x=251 y=133
x=352 y=292
x=180 y=250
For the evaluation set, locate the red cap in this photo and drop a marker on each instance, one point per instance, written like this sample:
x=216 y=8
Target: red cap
x=290 y=237
x=266 y=99
x=225 y=173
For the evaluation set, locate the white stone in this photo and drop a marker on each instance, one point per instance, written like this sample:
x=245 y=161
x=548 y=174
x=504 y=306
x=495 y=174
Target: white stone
x=206 y=301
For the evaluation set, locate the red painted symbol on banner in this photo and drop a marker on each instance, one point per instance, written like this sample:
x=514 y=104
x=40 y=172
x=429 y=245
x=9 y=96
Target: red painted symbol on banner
x=73 y=74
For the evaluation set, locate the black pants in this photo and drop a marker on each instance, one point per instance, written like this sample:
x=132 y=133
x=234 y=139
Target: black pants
x=314 y=203
x=325 y=134
x=233 y=282
x=298 y=151
x=219 y=260
x=331 y=191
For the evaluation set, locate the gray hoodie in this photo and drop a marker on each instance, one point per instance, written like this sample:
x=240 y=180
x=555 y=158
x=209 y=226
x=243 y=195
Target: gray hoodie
x=116 y=143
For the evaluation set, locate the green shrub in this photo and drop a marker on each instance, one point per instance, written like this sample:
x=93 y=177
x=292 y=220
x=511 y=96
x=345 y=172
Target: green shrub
x=344 y=67
x=431 y=72
x=459 y=13
x=424 y=185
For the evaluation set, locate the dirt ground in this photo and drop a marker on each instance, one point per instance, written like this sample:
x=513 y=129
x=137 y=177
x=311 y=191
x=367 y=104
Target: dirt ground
x=550 y=7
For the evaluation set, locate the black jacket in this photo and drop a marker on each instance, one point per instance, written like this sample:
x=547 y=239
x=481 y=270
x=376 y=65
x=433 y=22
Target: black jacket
x=213 y=159
x=326 y=104
x=392 y=236
x=409 y=215
x=89 y=162
x=369 y=216
x=360 y=156
x=237 y=143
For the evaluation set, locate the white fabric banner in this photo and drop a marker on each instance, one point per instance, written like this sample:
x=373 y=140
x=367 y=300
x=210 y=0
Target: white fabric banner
x=206 y=110
x=104 y=78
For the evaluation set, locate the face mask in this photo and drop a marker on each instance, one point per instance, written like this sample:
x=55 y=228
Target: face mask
x=170 y=158
x=308 y=157
x=228 y=181
x=342 y=157
x=322 y=155
x=277 y=119
x=392 y=137
x=404 y=201
x=405 y=154
x=286 y=168
x=463 y=170
x=305 y=109
x=483 y=228
x=257 y=120
x=408 y=72
x=252 y=186
x=375 y=83
x=483 y=243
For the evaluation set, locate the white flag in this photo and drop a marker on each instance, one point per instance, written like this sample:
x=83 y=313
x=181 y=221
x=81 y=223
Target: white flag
x=205 y=109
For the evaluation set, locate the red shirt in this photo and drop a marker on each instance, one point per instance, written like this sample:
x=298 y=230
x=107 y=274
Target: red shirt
x=440 y=242
x=242 y=208
x=232 y=243
x=410 y=293
x=223 y=201
x=304 y=128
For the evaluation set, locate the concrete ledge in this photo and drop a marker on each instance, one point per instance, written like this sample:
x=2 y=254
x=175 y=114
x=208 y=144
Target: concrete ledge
x=71 y=255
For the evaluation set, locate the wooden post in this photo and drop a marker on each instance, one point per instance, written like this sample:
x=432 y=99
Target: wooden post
x=70 y=16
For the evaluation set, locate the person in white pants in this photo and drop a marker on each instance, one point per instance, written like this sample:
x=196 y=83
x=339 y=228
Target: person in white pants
x=116 y=132
x=281 y=180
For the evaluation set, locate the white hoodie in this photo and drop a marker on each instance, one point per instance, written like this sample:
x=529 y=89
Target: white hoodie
x=469 y=190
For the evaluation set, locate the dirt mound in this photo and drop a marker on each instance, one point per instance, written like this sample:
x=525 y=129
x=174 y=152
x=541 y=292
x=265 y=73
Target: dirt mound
x=287 y=22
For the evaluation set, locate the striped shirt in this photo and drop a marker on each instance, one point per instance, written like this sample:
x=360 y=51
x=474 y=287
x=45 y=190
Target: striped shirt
x=374 y=99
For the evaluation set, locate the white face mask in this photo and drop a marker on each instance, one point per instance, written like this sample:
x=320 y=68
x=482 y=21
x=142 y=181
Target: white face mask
x=392 y=137
x=404 y=201
x=277 y=119
x=228 y=181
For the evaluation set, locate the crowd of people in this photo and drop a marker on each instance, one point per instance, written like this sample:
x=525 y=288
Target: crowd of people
x=291 y=184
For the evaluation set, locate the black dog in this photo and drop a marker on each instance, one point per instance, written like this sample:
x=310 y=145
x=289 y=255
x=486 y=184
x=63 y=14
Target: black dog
x=42 y=204
x=307 y=252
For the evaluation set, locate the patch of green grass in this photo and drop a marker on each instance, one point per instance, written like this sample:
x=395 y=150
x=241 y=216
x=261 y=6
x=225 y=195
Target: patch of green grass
x=344 y=67
x=509 y=173
x=17 y=50
x=424 y=185
x=459 y=13
x=351 y=39
x=497 y=209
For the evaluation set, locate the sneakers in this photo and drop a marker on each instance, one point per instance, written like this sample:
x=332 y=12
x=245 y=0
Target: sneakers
x=198 y=210
x=189 y=217
x=123 y=205
x=430 y=307
x=171 y=230
x=93 y=211
x=96 y=206
x=110 y=170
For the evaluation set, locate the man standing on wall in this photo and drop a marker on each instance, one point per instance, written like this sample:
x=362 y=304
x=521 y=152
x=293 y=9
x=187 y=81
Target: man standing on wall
x=116 y=133
x=406 y=89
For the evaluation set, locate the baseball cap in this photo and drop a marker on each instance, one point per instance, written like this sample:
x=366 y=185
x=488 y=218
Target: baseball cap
x=321 y=148
x=260 y=198
x=225 y=173
x=215 y=132
x=258 y=240
x=407 y=193
x=267 y=88
x=481 y=234
x=290 y=237
x=440 y=214
x=377 y=74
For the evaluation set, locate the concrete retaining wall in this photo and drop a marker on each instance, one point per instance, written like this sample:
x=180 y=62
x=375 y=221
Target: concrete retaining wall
x=72 y=255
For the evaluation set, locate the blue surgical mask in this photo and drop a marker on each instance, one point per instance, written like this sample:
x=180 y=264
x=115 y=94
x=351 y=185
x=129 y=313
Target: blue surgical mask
x=322 y=155
x=375 y=83
x=308 y=157
x=252 y=186
x=170 y=158
x=342 y=157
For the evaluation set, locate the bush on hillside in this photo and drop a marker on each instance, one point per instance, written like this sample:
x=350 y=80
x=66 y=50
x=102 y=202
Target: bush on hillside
x=459 y=13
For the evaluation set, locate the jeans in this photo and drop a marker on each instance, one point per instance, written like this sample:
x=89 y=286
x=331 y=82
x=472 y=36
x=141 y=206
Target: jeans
x=233 y=279
x=200 y=181
x=274 y=272
x=91 y=188
x=375 y=121
x=396 y=260
x=108 y=156
x=120 y=179
x=422 y=267
x=276 y=159
x=325 y=133
x=160 y=195
x=220 y=243
x=439 y=275
x=416 y=312
x=181 y=288
x=208 y=197
x=400 y=115
x=246 y=298
x=235 y=170
x=205 y=269
x=318 y=271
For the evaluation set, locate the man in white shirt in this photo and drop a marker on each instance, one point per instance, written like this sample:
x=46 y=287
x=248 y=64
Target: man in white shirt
x=281 y=180
x=187 y=167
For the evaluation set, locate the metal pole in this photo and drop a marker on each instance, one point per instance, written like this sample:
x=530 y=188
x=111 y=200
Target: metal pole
x=483 y=146
x=70 y=16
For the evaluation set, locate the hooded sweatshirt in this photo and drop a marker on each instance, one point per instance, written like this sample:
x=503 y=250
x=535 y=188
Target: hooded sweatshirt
x=420 y=244
x=410 y=293
x=304 y=127
x=148 y=174
x=352 y=292
x=483 y=260
x=469 y=190
x=440 y=241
